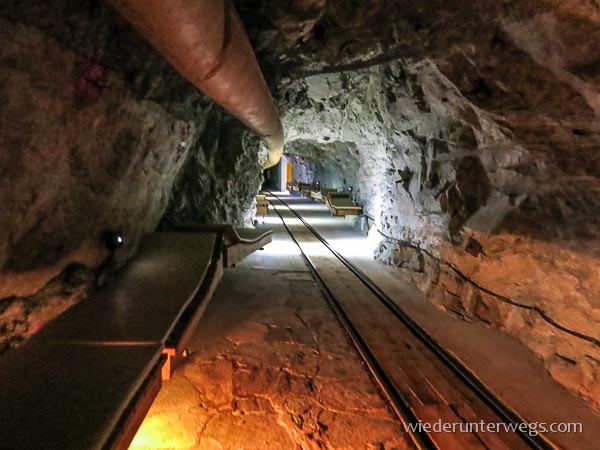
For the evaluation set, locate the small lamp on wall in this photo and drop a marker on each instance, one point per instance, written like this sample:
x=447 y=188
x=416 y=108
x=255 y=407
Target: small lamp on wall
x=113 y=240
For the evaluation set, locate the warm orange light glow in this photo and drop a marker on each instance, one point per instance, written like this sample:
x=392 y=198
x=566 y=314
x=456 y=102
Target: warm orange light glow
x=163 y=431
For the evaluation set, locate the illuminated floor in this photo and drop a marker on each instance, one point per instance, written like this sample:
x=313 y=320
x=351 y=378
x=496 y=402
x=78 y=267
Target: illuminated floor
x=503 y=363
x=270 y=368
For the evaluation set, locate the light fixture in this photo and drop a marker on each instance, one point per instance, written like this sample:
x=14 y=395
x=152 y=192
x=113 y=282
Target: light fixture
x=113 y=240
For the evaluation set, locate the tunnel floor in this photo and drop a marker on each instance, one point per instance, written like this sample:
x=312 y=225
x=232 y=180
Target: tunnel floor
x=270 y=366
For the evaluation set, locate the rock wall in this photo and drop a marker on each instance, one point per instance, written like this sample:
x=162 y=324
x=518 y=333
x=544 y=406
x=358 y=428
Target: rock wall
x=221 y=177
x=95 y=132
x=327 y=163
x=469 y=130
x=476 y=125
x=464 y=201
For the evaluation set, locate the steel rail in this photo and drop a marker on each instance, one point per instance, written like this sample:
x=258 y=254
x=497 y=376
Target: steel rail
x=504 y=412
x=421 y=439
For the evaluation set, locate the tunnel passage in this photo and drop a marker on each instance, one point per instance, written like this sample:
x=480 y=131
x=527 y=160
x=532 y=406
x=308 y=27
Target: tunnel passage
x=330 y=165
x=469 y=134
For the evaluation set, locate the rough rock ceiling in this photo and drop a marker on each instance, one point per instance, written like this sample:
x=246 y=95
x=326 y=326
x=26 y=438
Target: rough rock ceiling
x=476 y=132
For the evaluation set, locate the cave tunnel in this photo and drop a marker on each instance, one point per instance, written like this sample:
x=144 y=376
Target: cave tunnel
x=312 y=224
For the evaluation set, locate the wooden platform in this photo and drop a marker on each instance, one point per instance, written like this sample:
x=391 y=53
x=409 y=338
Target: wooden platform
x=87 y=379
x=262 y=205
x=146 y=300
x=305 y=188
x=341 y=204
x=245 y=243
x=322 y=194
x=292 y=187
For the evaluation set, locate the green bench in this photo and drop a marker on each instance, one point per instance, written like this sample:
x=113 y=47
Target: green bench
x=87 y=379
x=238 y=242
x=322 y=194
x=341 y=204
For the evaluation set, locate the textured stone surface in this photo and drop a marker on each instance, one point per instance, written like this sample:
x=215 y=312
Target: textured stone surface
x=220 y=179
x=476 y=134
x=20 y=317
x=469 y=129
x=270 y=368
x=98 y=133
x=405 y=149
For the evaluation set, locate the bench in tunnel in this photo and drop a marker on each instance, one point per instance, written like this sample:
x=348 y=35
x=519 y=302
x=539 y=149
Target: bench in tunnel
x=341 y=204
x=87 y=379
x=238 y=242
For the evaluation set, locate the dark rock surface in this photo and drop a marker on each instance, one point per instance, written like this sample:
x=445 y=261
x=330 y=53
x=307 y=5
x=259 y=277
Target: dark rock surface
x=220 y=178
x=99 y=133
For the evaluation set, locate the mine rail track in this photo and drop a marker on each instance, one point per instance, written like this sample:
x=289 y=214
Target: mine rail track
x=479 y=396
